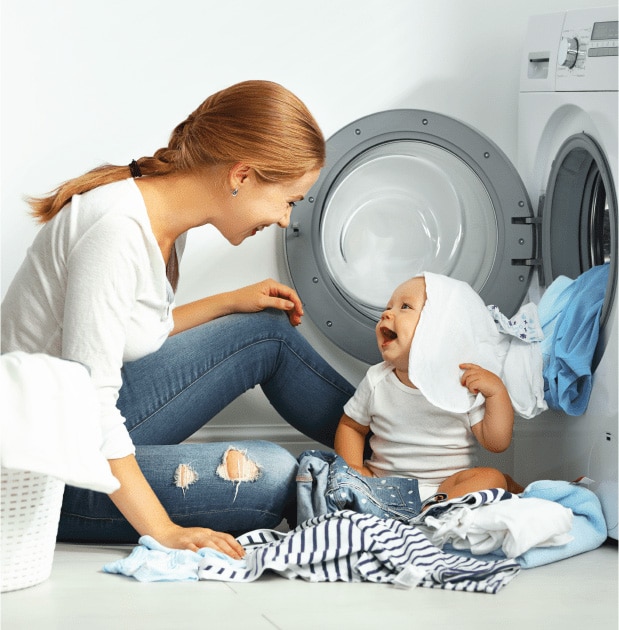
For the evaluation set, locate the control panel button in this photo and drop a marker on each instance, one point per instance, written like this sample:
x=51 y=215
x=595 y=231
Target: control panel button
x=568 y=52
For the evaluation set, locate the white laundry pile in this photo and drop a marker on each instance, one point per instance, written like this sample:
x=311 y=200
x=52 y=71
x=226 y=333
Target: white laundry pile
x=550 y=521
x=50 y=421
x=514 y=526
x=456 y=327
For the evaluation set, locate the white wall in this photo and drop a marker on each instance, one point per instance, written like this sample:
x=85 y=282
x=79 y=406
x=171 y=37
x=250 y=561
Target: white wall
x=87 y=82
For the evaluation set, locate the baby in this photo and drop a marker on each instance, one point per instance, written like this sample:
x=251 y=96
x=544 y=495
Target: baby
x=410 y=436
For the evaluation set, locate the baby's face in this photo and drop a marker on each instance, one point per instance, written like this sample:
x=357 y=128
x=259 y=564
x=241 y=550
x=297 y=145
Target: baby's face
x=396 y=328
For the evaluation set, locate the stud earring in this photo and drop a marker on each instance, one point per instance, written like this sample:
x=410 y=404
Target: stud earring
x=235 y=192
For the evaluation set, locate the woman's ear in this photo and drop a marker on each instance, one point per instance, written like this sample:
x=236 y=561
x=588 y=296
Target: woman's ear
x=238 y=174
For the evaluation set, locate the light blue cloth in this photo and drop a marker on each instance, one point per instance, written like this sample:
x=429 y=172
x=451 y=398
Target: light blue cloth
x=569 y=312
x=152 y=562
x=588 y=527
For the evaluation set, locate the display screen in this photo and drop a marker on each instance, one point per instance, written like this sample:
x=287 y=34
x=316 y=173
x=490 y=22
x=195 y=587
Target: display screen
x=604 y=30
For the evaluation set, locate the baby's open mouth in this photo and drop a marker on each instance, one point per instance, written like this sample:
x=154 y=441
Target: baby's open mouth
x=388 y=334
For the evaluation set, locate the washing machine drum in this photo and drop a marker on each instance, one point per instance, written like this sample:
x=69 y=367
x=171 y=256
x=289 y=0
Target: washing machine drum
x=406 y=191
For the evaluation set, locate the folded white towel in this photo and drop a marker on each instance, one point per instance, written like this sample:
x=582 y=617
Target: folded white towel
x=50 y=421
x=514 y=525
x=456 y=327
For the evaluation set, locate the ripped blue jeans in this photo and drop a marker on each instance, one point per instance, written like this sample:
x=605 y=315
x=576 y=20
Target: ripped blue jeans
x=325 y=483
x=168 y=395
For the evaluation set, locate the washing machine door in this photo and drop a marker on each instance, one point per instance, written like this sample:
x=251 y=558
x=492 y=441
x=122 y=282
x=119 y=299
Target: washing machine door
x=579 y=220
x=406 y=191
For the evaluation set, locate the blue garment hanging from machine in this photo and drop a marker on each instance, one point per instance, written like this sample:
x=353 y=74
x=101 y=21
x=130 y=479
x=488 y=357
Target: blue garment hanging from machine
x=569 y=312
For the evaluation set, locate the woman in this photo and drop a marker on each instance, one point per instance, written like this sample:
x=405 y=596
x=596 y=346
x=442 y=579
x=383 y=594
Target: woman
x=97 y=287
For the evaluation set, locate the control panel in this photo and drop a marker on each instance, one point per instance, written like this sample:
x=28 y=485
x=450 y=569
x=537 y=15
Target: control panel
x=581 y=46
x=573 y=51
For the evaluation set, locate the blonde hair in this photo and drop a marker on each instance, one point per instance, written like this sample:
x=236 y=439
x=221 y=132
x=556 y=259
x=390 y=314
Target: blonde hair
x=259 y=123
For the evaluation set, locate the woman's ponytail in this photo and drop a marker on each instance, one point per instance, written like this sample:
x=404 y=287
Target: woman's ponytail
x=259 y=123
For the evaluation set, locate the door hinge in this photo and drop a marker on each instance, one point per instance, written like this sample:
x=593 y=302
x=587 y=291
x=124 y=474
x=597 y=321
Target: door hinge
x=536 y=261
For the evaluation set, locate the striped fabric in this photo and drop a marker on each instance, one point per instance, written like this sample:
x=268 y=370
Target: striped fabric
x=471 y=501
x=351 y=547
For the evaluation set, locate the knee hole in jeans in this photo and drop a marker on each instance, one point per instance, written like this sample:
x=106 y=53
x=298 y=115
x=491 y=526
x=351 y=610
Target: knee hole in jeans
x=236 y=466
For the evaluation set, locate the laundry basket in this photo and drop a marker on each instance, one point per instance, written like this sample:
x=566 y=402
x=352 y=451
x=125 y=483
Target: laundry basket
x=29 y=520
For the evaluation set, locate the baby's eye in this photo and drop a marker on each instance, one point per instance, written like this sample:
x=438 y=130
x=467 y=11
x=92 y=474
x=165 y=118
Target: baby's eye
x=405 y=305
x=292 y=204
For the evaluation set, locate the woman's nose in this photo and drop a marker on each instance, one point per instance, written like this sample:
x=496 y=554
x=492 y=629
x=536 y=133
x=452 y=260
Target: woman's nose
x=284 y=222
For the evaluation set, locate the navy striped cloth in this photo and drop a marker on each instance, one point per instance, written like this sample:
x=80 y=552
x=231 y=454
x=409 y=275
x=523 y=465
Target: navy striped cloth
x=472 y=500
x=351 y=547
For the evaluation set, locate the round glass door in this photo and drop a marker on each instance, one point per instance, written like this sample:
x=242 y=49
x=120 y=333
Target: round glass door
x=405 y=206
x=406 y=191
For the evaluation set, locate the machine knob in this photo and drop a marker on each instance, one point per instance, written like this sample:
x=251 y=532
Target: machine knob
x=568 y=52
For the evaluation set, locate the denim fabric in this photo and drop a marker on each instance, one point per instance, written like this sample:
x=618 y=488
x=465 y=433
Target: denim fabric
x=325 y=483
x=168 y=395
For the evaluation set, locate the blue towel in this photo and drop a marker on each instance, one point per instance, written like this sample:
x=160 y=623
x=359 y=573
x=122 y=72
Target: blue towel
x=588 y=527
x=152 y=562
x=569 y=312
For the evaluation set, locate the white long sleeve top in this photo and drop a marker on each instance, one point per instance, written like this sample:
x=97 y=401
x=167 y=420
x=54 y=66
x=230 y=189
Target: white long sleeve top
x=93 y=289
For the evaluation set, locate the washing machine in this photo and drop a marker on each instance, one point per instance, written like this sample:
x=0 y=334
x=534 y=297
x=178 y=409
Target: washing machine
x=568 y=161
x=406 y=190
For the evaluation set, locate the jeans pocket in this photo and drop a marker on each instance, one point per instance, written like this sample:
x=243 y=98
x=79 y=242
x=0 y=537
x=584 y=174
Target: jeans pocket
x=391 y=497
x=398 y=496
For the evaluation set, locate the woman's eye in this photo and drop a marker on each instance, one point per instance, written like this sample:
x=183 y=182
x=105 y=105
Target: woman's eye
x=292 y=204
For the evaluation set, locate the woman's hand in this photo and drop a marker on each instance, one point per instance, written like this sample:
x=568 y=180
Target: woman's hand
x=194 y=538
x=250 y=299
x=269 y=294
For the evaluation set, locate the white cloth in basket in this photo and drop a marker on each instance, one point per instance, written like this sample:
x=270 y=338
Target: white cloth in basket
x=50 y=421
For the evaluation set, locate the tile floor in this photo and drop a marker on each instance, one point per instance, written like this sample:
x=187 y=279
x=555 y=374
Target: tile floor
x=580 y=592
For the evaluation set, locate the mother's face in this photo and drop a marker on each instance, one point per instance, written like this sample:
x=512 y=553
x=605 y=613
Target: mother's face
x=258 y=204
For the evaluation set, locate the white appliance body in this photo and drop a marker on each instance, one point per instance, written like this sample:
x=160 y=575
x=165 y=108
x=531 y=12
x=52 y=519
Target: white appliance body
x=568 y=89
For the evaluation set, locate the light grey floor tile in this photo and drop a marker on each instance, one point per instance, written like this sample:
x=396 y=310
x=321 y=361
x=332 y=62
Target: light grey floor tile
x=574 y=593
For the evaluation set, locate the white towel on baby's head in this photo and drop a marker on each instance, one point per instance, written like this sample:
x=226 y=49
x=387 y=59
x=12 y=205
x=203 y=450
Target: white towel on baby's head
x=456 y=327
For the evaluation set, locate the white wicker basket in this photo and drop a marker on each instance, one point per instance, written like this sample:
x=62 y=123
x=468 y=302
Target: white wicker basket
x=29 y=520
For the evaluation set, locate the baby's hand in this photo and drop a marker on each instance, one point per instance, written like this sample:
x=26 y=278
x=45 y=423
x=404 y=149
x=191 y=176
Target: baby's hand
x=477 y=380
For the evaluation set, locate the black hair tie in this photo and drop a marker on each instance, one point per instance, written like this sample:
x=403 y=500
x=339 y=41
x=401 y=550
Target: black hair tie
x=134 y=167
